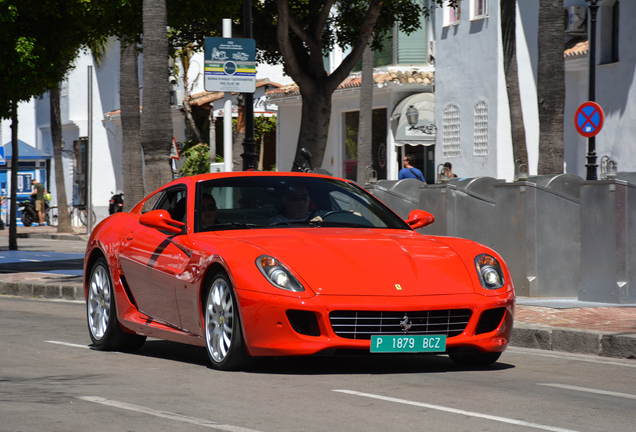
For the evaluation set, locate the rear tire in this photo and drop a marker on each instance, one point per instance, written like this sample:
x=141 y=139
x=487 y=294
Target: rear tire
x=103 y=326
x=223 y=335
x=475 y=359
x=27 y=219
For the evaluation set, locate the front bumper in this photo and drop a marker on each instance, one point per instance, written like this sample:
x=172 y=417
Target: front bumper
x=268 y=331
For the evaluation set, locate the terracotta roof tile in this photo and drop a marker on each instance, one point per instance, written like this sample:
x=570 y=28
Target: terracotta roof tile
x=206 y=97
x=580 y=48
x=390 y=77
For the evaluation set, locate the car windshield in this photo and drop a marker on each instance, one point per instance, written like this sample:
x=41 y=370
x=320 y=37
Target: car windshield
x=281 y=202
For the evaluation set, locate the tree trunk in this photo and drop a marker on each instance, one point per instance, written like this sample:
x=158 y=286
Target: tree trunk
x=509 y=40
x=314 y=123
x=130 y=125
x=156 y=119
x=64 y=223
x=304 y=64
x=365 y=124
x=551 y=87
x=13 y=205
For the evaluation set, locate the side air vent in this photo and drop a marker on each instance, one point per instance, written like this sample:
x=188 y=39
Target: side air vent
x=490 y=320
x=304 y=322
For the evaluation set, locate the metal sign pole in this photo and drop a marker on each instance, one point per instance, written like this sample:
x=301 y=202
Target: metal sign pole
x=89 y=155
x=591 y=141
x=227 y=111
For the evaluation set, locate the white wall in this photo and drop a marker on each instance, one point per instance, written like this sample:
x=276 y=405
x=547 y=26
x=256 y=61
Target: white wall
x=467 y=70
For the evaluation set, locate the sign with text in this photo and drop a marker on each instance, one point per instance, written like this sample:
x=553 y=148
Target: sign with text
x=230 y=65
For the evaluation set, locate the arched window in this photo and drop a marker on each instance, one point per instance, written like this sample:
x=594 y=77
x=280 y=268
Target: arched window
x=481 y=129
x=451 y=144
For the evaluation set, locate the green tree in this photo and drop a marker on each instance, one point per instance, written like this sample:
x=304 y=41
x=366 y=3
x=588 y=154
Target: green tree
x=306 y=31
x=34 y=61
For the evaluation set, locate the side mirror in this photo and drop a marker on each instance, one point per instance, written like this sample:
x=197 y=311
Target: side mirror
x=161 y=220
x=419 y=219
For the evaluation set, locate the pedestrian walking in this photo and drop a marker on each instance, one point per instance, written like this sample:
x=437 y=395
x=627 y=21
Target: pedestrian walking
x=409 y=171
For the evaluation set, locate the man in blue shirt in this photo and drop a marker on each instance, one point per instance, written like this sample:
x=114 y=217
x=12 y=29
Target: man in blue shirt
x=409 y=171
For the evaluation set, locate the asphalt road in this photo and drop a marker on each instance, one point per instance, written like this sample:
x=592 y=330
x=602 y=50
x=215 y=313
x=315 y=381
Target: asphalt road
x=51 y=380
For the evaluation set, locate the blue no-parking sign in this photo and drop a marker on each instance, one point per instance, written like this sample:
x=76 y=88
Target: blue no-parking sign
x=589 y=119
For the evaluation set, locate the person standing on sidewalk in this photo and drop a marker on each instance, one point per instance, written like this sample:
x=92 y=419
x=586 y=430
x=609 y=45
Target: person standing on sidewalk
x=38 y=194
x=409 y=171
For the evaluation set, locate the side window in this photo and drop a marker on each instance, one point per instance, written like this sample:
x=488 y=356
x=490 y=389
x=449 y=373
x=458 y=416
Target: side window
x=174 y=202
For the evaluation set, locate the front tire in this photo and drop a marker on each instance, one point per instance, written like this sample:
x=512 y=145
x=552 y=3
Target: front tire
x=103 y=327
x=223 y=335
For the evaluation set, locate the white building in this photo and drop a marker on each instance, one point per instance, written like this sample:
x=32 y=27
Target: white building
x=471 y=102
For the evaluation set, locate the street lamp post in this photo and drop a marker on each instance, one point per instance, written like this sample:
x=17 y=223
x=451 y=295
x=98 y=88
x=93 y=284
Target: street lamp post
x=591 y=141
x=250 y=157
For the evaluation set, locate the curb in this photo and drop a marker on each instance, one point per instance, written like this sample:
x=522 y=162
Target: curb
x=77 y=237
x=590 y=342
x=615 y=345
x=72 y=291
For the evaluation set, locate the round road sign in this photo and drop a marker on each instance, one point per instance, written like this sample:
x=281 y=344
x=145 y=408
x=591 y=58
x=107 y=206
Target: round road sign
x=589 y=119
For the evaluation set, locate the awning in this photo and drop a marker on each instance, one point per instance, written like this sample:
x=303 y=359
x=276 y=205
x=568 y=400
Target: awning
x=425 y=104
x=25 y=152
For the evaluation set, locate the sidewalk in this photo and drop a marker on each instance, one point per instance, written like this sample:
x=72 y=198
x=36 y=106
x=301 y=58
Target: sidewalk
x=47 y=232
x=566 y=325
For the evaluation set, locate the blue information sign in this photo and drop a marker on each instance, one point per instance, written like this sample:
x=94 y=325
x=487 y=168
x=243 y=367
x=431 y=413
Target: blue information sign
x=230 y=65
x=3 y=161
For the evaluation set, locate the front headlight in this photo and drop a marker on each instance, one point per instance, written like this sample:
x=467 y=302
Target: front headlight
x=277 y=274
x=489 y=271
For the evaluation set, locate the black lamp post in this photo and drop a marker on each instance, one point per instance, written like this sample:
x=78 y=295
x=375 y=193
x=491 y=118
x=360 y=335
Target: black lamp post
x=591 y=141
x=250 y=157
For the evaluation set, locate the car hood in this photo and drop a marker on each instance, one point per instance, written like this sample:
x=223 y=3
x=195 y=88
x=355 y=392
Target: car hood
x=335 y=261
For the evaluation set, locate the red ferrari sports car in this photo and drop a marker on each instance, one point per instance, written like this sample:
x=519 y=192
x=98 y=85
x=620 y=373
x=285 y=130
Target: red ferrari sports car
x=256 y=264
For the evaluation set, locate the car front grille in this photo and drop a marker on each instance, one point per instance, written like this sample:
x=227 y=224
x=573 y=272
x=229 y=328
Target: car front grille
x=363 y=324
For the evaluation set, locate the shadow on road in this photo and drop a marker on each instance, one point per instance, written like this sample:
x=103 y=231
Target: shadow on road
x=337 y=364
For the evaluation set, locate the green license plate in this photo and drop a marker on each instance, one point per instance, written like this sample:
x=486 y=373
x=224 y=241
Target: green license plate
x=406 y=343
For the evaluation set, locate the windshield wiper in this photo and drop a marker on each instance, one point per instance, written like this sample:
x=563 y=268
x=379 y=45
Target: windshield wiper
x=235 y=225
x=310 y=222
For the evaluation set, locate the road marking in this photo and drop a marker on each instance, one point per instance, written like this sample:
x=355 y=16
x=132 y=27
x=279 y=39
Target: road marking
x=589 y=390
x=458 y=411
x=570 y=356
x=164 y=414
x=30 y=260
x=68 y=344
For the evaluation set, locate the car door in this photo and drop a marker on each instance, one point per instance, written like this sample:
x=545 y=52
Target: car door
x=150 y=261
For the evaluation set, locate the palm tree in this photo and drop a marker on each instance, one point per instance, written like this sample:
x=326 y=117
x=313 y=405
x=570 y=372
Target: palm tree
x=508 y=13
x=156 y=120
x=130 y=124
x=365 y=124
x=551 y=87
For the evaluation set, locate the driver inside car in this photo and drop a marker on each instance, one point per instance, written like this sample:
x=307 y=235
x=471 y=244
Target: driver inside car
x=296 y=208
